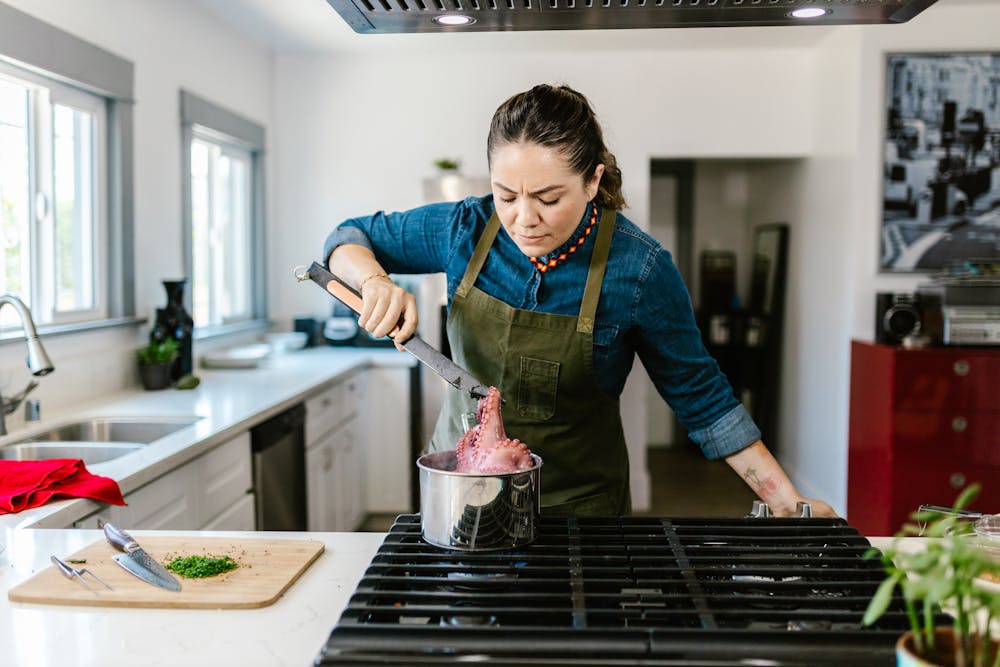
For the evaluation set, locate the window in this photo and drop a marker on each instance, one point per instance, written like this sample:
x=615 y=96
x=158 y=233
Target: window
x=65 y=176
x=224 y=184
x=54 y=218
x=220 y=232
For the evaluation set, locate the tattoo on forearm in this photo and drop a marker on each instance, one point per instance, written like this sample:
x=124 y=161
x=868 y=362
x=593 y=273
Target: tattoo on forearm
x=765 y=487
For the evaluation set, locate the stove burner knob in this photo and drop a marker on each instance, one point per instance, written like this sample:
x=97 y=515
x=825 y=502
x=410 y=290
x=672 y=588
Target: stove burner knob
x=805 y=510
x=760 y=510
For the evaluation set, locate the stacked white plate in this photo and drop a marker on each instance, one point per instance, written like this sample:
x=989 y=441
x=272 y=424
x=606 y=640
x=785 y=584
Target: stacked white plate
x=245 y=356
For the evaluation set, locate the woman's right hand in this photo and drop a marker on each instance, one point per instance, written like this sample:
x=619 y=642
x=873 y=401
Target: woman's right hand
x=386 y=305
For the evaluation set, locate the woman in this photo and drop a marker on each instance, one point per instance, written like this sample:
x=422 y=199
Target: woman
x=552 y=293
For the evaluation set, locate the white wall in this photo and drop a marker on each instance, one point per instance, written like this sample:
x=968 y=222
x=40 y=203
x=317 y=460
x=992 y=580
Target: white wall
x=357 y=132
x=355 y=135
x=173 y=45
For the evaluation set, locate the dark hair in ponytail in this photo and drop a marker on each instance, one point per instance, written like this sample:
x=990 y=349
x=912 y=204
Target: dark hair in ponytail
x=558 y=117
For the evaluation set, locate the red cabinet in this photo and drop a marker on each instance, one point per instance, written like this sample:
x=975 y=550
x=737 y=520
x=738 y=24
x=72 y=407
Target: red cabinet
x=924 y=424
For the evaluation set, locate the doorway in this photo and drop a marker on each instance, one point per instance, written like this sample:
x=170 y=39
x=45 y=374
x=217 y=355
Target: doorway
x=700 y=206
x=671 y=222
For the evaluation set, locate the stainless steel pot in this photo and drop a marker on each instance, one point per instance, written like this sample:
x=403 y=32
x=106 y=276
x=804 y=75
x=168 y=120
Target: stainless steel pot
x=473 y=512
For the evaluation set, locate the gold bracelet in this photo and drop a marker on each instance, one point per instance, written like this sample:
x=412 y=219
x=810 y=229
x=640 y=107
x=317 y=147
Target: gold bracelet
x=361 y=286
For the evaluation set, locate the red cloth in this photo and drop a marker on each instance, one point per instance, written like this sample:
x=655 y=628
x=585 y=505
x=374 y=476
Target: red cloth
x=27 y=484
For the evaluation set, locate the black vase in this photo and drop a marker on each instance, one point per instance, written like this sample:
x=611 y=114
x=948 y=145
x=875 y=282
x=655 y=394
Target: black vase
x=172 y=321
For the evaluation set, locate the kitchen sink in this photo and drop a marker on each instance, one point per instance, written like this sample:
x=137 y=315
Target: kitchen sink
x=89 y=452
x=134 y=430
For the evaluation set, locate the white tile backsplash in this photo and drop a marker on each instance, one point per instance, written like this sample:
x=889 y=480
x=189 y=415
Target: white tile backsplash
x=88 y=367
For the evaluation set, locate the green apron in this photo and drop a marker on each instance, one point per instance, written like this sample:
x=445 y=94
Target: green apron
x=543 y=365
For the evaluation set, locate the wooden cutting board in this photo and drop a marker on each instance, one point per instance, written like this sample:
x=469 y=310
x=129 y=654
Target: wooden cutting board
x=266 y=569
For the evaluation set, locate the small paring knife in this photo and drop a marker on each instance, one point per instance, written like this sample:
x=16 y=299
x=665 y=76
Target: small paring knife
x=137 y=561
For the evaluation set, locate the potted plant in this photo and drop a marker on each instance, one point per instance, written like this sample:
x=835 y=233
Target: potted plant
x=449 y=183
x=942 y=576
x=447 y=164
x=156 y=361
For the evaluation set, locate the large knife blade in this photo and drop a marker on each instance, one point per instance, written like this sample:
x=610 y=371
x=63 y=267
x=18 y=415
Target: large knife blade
x=452 y=373
x=137 y=561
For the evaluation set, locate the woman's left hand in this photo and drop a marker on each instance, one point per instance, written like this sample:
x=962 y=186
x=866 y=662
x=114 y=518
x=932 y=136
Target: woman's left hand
x=819 y=508
x=764 y=475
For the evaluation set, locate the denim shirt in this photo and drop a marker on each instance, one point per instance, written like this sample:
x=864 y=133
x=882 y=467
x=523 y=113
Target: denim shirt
x=644 y=308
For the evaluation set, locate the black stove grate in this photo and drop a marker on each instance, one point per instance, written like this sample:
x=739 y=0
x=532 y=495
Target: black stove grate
x=623 y=591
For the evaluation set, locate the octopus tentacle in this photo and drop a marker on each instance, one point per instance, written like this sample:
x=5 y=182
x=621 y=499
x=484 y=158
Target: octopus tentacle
x=485 y=448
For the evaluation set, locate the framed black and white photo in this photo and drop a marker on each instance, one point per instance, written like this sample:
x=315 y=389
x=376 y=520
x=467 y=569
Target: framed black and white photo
x=941 y=177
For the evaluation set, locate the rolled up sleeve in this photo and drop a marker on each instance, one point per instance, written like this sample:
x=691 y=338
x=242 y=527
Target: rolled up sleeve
x=729 y=434
x=418 y=240
x=344 y=235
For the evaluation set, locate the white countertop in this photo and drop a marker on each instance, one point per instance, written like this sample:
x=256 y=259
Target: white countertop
x=289 y=632
x=228 y=402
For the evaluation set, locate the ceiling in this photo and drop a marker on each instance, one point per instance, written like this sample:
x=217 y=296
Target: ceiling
x=312 y=26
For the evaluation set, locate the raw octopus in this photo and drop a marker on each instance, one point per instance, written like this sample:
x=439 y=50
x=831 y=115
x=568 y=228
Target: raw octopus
x=485 y=448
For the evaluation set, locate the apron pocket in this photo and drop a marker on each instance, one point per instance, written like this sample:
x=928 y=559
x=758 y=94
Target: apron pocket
x=536 y=388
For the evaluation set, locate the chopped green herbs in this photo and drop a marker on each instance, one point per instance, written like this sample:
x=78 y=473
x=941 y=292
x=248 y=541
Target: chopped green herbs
x=198 y=567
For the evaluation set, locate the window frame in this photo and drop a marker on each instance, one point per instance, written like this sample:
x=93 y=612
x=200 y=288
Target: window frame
x=203 y=119
x=37 y=48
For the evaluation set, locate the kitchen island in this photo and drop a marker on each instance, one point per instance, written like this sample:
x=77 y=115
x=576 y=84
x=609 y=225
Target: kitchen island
x=289 y=632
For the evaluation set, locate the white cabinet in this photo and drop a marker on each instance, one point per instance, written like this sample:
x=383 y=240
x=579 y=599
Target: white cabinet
x=387 y=459
x=166 y=503
x=348 y=478
x=321 y=503
x=237 y=517
x=334 y=474
x=213 y=489
x=224 y=477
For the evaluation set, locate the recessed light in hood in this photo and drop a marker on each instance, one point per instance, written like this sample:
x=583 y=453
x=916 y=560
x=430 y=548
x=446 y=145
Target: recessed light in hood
x=397 y=16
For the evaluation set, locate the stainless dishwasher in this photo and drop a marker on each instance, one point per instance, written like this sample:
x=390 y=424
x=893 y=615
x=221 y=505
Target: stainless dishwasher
x=279 y=471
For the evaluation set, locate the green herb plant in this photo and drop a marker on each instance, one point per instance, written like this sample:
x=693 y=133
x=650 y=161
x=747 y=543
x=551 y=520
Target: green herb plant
x=158 y=352
x=199 y=567
x=943 y=576
x=447 y=164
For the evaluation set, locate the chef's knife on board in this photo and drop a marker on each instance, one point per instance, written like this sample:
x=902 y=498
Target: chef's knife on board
x=137 y=561
x=453 y=374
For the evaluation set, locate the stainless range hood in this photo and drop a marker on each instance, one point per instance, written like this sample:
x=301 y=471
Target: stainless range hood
x=412 y=16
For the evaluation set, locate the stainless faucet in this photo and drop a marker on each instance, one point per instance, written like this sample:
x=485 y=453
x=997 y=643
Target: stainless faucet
x=38 y=361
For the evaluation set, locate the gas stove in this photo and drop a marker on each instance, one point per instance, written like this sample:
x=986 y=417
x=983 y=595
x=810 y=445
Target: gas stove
x=623 y=591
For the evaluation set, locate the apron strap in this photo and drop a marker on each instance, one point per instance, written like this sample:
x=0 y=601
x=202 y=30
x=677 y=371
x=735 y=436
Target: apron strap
x=595 y=276
x=479 y=256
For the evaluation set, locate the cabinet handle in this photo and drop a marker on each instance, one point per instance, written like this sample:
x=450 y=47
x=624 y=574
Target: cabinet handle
x=961 y=367
x=959 y=424
x=957 y=480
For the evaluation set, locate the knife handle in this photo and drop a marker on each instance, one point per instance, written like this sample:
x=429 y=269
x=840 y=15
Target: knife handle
x=119 y=538
x=340 y=290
